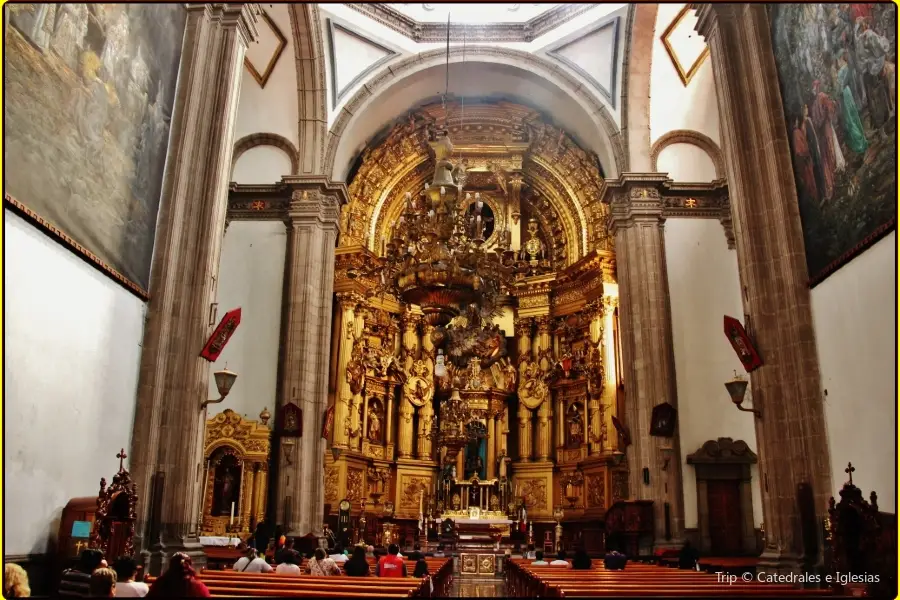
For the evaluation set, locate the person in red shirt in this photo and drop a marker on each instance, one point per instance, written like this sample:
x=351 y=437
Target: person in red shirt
x=179 y=581
x=391 y=565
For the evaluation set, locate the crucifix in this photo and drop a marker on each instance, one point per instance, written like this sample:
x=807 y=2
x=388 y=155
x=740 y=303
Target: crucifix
x=121 y=456
x=849 y=471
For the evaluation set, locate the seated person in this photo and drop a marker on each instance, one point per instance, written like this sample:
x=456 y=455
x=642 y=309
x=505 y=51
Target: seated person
x=416 y=554
x=370 y=551
x=103 y=583
x=560 y=560
x=439 y=553
x=252 y=563
x=614 y=561
x=391 y=565
x=338 y=556
x=530 y=554
x=357 y=566
x=581 y=560
x=539 y=559
x=289 y=564
x=126 y=587
x=288 y=549
x=321 y=565
x=421 y=570
x=77 y=581
x=688 y=557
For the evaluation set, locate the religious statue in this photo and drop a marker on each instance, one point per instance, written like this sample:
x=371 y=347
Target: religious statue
x=575 y=426
x=474 y=464
x=511 y=376
x=455 y=501
x=501 y=467
x=356 y=371
x=227 y=486
x=374 y=434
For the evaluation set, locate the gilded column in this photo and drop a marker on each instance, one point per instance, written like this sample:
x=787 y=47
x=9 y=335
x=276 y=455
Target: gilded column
x=313 y=214
x=543 y=343
x=426 y=413
x=636 y=221
x=167 y=438
x=261 y=491
x=523 y=335
x=544 y=354
x=351 y=330
x=461 y=467
x=405 y=429
x=514 y=185
x=524 y=434
x=595 y=444
x=791 y=433
x=491 y=442
x=610 y=393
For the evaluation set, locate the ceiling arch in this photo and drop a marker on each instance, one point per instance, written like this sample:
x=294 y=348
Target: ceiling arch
x=636 y=85
x=499 y=73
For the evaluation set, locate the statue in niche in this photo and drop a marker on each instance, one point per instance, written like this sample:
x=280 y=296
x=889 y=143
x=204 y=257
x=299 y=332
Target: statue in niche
x=575 y=426
x=226 y=489
x=533 y=250
x=356 y=371
x=374 y=433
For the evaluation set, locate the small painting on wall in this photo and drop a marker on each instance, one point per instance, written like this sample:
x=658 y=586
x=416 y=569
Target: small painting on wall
x=89 y=90
x=837 y=70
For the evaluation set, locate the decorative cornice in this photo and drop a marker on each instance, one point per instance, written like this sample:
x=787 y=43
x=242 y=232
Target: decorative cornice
x=422 y=32
x=723 y=451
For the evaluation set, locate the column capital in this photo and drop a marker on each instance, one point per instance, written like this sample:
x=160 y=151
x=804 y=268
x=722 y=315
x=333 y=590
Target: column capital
x=523 y=326
x=241 y=16
x=314 y=205
x=635 y=197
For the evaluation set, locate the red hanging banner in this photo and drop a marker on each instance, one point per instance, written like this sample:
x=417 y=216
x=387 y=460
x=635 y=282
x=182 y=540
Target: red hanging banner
x=742 y=345
x=221 y=335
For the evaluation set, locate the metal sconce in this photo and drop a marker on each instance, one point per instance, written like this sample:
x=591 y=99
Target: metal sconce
x=288 y=445
x=224 y=380
x=737 y=389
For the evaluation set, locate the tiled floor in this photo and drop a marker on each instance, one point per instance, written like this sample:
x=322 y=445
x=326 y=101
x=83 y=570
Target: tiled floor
x=482 y=587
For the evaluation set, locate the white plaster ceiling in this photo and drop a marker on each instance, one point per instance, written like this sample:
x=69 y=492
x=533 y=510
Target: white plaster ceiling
x=483 y=80
x=475 y=13
x=686 y=48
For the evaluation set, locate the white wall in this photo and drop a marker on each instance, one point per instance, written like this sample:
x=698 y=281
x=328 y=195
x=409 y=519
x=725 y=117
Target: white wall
x=703 y=287
x=272 y=109
x=261 y=165
x=251 y=276
x=672 y=105
x=686 y=162
x=854 y=313
x=73 y=344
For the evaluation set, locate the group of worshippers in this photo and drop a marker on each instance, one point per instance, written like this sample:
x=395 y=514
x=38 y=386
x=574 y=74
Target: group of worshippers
x=688 y=558
x=92 y=577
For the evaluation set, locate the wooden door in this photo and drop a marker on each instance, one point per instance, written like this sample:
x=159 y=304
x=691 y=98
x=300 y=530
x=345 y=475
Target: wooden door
x=724 y=498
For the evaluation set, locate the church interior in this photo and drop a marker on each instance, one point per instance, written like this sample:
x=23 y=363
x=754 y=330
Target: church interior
x=470 y=282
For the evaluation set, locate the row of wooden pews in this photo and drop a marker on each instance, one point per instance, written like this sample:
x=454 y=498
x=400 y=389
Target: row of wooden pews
x=225 y=584
x=638 y=579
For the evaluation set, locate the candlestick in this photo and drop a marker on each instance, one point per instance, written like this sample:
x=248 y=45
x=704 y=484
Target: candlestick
x=232 y=514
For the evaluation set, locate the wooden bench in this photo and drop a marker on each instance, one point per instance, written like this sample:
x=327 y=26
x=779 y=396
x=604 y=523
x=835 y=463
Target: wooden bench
x=527 y=580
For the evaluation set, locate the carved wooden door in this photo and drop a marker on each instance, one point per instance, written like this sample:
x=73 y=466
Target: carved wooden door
x=724 y=498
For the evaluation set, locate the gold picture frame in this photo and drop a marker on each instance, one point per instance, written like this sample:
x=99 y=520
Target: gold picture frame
x=685 y=76
x=263 y=78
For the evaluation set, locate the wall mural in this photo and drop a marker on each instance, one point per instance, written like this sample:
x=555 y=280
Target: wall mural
x=836 y=63
x=89 y=94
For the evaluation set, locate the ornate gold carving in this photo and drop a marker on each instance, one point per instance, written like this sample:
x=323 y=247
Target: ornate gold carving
x=469 y=564
x=596 y=490
x=411 y=491
x=533 y=389
x=534 y=301
x=331 y=484
x=534 y=491
x=419 y=386
x=354 y=484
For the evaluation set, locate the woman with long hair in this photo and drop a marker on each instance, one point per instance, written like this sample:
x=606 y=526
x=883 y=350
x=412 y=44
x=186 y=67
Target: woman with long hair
x=179 y=580
x=357 y=566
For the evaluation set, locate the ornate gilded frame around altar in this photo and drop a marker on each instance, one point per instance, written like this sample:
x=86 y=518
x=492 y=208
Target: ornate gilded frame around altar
x=227 y=433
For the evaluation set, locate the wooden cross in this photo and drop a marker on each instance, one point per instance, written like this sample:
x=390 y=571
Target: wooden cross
x=849 y=471
x=121 y=456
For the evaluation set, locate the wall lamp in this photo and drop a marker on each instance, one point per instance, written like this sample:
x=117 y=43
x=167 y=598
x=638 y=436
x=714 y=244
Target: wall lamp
x=224 y=380
x=737 y=389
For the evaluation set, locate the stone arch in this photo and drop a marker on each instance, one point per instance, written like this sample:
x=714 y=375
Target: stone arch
x=636 y=85
x=309 y=53
x=613 y=159
x=695 y=138
x=266 y=139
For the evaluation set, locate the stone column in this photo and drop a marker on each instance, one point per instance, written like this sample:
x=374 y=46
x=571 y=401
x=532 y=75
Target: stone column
x=791 y=436
x=491 y=467
x=313 y=213
x=168 y=430
x=636 y=221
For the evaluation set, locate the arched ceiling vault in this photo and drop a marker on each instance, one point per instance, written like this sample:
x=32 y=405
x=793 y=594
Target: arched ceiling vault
x=476 y=71
x=497 y=137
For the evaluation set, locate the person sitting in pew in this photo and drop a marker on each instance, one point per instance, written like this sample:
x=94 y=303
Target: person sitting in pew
x=560 y=560
x=179 y=580
x=252 y=563
x=126 y=587
x=614 y=561
x=539 y=556
x=280 y=556
x=391 y=565
x=321 y=565
x=439 y=553
x=103 y=583
x=582 y=560
x=357 y=566
x=531 y=553
x=421 y=570
x=289 y=564
x=688 y=557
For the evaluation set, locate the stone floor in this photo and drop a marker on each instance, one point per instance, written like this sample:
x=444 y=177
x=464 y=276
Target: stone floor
x=481 y=587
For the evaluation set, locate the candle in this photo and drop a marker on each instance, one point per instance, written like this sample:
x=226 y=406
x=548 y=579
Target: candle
x=421 y=497
x=232 y=513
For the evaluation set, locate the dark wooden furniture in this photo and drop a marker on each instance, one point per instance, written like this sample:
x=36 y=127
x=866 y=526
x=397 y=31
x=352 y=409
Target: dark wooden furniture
x=627 y=523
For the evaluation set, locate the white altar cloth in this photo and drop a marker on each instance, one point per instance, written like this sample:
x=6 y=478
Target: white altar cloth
x=220 y=541
x=466 y=521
